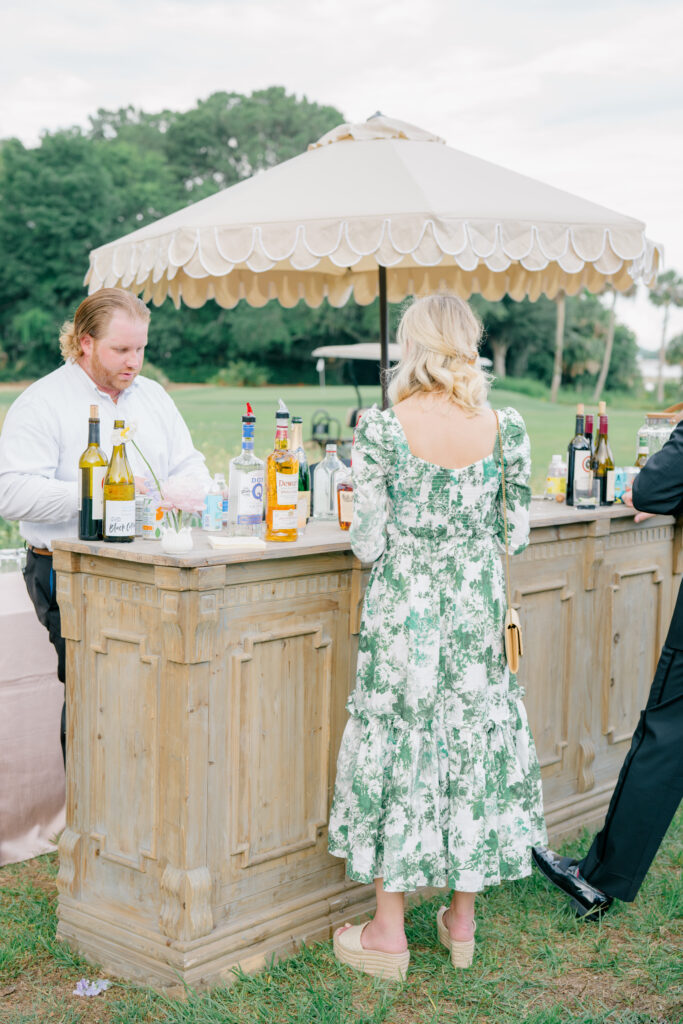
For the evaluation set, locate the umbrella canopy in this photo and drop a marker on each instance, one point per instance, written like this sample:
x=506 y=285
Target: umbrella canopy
x=382 y=194
x=366 y=350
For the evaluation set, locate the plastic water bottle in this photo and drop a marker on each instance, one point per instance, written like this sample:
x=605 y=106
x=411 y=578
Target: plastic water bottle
x=212 y=517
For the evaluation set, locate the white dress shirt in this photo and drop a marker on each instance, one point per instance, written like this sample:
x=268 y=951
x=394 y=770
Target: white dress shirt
x=46 y=431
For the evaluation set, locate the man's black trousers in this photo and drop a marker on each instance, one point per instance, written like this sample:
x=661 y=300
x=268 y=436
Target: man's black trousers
x=40 y=583
x=648 y=791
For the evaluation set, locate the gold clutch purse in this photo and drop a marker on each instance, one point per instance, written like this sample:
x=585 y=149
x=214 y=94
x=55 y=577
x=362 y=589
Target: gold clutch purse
x=514 y=648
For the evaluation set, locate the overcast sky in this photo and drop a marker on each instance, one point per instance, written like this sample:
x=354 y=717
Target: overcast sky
x=587 y=96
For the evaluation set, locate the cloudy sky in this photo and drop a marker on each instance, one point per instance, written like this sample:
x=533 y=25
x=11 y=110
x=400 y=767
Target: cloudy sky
x=587 y=96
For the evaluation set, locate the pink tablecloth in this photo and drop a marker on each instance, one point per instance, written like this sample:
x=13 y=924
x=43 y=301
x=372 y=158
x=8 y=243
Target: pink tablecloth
x=31 y=769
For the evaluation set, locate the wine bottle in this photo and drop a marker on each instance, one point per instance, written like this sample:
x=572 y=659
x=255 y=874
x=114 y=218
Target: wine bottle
x=92 y=467
x=304 y=499
x=282 y=483
x=578 y=456
x=643 y=451
x=604 y=464
x=588 y=431
x=119 y=493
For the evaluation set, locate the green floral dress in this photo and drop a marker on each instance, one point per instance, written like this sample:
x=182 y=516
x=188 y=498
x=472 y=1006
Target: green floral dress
x=438 y=781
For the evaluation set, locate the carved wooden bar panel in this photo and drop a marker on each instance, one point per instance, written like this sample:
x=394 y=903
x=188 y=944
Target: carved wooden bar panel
x=206 y=704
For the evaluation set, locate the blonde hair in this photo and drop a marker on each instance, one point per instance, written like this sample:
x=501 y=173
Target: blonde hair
x=94 y=315
x=439 y=337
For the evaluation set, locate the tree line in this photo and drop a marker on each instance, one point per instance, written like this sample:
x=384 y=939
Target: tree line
x=80 y=188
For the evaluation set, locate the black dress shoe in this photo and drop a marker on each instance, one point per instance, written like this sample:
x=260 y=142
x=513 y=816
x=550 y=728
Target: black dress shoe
x=586 y=901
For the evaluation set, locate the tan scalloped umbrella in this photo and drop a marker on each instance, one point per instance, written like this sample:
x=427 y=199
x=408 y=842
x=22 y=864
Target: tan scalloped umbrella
x=378 y=208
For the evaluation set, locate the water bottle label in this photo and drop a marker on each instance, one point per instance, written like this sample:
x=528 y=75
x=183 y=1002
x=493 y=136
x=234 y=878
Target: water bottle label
x=212 y=518
x=120 y=519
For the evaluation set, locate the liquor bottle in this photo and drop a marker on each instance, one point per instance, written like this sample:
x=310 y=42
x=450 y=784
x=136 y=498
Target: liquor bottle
x=325 y=484
x=282 y=483
x=92 y=467
x=304 y=499
x=578 y=456
x=119 y=493
x=604 y=464
x=345 y=498
x=245 y=502
x=588 y=431
x=643 y=451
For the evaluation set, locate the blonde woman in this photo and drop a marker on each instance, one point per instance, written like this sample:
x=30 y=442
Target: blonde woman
x=438 y=782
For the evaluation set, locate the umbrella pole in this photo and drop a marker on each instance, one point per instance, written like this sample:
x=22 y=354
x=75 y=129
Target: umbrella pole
x=383 y=335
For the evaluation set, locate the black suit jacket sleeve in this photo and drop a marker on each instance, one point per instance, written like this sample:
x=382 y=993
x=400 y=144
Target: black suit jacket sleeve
x=659 y=485
x=659 y=488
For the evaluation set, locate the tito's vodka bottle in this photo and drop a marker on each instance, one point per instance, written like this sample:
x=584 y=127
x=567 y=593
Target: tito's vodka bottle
x=245 y=503
x=282 y=483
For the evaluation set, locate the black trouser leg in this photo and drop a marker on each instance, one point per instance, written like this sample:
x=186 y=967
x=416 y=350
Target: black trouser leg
x=40 y=583
x=648 y=791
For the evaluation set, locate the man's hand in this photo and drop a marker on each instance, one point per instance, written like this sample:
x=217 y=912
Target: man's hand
x=640 y=516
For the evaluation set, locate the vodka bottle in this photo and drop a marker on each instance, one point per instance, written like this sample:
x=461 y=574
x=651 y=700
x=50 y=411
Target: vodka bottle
x=245 y=502
x=325 y=484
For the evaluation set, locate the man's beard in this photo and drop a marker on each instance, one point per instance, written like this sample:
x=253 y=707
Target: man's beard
x=105 y=378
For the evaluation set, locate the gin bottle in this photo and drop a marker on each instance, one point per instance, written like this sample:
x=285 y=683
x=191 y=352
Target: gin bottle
x=245 y=502
x=325 y=484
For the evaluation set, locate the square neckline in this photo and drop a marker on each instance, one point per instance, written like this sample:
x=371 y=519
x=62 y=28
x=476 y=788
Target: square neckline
x=436 y=465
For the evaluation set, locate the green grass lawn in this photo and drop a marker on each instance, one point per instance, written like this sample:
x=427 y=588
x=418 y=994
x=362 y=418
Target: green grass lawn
x=213 y=415
x=534 y=964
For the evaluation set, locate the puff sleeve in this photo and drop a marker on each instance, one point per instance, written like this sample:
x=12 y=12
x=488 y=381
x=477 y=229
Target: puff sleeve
x=371 y=460
x=517 y=456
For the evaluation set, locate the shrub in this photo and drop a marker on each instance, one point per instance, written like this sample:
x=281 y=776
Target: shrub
x=522 y=386
x=152 y=371
x=240 y=373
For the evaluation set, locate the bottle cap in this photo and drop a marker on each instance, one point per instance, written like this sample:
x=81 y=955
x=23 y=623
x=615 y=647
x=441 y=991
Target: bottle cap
x=248 y=416
x=297 y=419
x=282 y=412
x=119 y=424
x=579 y=409
x=94 y=412
x=331 y=446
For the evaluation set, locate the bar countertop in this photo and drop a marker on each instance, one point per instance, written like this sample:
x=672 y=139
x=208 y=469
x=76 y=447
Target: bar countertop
x=318 y=538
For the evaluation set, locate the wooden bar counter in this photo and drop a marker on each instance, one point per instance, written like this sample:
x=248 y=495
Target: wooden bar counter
x=206 y=699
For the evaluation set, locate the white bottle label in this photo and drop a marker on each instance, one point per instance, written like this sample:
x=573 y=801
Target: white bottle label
x=345 y=506
x=250 y=498
x=120 y=518
x=287 y=488
x=582 y=468
x=609 y=485
x=284 y=519
x=98 y=475
x=304 y=508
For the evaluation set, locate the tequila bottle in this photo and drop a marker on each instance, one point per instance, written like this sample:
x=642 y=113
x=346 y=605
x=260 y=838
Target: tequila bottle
x=282 y=483
x=245 y=500
x=325 y=484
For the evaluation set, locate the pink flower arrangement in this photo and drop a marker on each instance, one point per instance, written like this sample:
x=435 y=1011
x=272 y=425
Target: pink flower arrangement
x=182 y=495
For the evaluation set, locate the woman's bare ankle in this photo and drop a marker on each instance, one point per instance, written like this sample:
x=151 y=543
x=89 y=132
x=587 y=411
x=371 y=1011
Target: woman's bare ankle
x=383 y=937
x=460 y=925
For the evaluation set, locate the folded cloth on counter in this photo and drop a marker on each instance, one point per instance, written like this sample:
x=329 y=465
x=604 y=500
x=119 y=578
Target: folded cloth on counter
x=236 y=543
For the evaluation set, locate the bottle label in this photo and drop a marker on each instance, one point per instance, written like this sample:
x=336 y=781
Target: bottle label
x=287 y=488
x=120 y=518
x=346 y=506
x=284 y=519
x=212 y=517
x=303 y=508
x=555 y=485
x=250 y=499
x=609 y=485
x=582 y=468
x=98 y=475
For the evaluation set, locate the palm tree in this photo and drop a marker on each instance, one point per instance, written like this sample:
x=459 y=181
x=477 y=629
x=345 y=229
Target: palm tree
x=609 y=341
x=559 y=344
x=667 y=291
